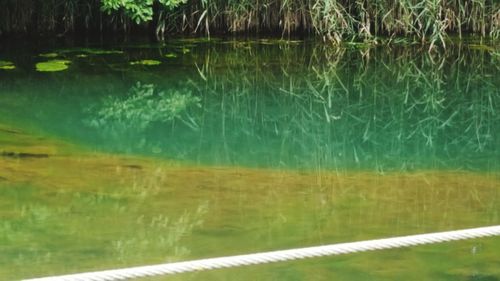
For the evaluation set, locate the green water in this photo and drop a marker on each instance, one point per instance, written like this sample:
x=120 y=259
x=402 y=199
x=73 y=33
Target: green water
x=146 y=153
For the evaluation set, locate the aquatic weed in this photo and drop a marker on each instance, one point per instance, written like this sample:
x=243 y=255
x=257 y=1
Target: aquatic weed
x=52 y=65
x=7 y=65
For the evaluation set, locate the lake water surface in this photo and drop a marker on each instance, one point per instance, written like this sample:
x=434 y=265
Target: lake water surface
x=148 y=153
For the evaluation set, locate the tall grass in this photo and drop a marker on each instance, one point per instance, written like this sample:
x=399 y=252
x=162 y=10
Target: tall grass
x=429 y=21
x=337 y=20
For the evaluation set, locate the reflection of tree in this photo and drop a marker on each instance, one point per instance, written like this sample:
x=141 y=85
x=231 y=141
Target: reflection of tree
x=143 y=106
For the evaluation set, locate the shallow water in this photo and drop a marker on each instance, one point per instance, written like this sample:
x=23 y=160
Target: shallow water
x=231 y=147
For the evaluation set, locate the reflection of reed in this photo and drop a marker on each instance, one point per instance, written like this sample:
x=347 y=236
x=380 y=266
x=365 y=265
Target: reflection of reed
x=395 y=109
x=308 y=105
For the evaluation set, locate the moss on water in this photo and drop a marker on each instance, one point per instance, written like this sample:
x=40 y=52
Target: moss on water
x=7 y=65
x=146 y=62
x=91 y=51
x=48 y=55
x=52 y=65
x=185 y=49
x=278 y=42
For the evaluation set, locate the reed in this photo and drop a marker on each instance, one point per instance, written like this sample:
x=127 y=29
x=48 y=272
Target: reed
x=428 y=21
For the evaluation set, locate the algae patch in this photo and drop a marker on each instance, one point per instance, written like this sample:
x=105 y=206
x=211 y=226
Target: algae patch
x=48 y=55
x=11 y=154
x=171 y=55
x=90 y=51
x=52 y=65
x=146 y=62
x=102 y=52
x=7 y=65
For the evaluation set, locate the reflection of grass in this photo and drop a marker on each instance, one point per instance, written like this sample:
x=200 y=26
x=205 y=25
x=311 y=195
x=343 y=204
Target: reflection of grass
x=376 y=109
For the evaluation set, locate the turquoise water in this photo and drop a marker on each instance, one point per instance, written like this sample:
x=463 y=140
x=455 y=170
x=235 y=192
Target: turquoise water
x=146 y=153
x=277 y=105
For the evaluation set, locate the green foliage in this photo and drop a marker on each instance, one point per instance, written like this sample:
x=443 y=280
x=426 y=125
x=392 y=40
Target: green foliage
x=138 y=10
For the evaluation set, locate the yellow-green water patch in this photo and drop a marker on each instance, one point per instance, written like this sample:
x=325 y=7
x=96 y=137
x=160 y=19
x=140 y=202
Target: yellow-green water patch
x=481 y=47
x=171 y=55
x=91 y=51
x=7 y=65
x=52 y=65
x=129 y=210
x=146 y=62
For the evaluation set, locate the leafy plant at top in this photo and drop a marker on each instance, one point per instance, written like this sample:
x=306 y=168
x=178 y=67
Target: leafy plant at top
x=144 y=106
x=138 y=10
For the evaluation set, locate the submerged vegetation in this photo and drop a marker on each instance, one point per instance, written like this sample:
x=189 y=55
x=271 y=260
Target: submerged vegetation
x=428 y=21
